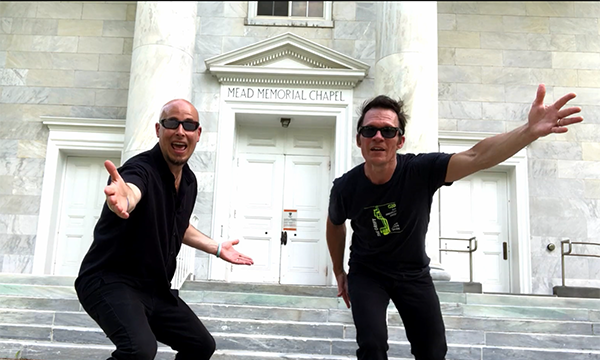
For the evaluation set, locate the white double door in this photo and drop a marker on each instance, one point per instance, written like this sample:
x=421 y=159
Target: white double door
x=280 y=209
x=477 y=206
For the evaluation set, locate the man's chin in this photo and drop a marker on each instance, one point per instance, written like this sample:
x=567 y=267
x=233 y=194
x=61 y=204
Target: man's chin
x=179 y=161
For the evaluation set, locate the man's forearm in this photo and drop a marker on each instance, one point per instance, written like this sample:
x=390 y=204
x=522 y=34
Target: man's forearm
x=196 y=239
x=496 y=149
x=336 y=242
x=488 y=152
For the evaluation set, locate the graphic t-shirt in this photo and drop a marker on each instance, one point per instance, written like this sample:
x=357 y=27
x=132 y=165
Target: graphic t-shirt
x=390 y=221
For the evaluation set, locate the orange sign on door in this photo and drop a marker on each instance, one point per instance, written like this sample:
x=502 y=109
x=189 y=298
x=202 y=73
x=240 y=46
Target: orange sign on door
x=290 y=220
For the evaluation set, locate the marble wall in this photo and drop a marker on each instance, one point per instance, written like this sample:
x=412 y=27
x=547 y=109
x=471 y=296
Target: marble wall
x=492 y=56
x=69 y=59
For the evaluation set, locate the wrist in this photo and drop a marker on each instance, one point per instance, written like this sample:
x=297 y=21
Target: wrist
x=338 y=271
x=218 y=253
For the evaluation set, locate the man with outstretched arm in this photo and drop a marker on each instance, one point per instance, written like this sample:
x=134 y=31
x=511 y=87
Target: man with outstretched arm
x=388 y=200
x=124 y=282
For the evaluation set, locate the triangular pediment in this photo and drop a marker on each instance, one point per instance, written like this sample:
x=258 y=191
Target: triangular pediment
x=287 y=59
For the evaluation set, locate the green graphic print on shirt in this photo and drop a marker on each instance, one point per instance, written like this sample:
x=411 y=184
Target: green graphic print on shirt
x=382 y=216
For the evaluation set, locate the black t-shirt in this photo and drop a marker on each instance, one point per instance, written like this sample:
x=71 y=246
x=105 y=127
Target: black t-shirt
x=142 y=249
x=389 y=221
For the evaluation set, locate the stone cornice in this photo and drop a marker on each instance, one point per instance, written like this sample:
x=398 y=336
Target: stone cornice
x=54 y=122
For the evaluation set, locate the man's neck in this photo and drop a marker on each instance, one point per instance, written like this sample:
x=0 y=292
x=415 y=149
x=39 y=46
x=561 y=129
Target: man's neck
x=380 y=174
x=176 y=170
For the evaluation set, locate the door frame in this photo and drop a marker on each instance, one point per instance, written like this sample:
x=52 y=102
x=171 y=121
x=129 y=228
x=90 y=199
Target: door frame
x=68 y=137
x=226 y=140
x=518 y=196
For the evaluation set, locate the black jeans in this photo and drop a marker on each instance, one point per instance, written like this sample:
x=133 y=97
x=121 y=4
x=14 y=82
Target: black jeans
x=135 y=320
x=418 y=305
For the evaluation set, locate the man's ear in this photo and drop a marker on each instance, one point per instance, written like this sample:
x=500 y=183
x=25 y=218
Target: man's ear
x=401 y=142
x=157 y=126
x=358 y=140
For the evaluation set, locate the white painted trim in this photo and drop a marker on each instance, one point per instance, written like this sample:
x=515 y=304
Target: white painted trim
x=226 y=140
x=68 y=136
x=516 y=168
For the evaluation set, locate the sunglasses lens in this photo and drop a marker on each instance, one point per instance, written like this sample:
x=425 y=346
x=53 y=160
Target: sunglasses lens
x=388 y=132
x=170 y=123
x=190 y=125
x=368 y=131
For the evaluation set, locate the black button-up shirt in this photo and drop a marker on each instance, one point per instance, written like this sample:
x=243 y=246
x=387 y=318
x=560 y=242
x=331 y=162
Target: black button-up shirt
x=142 y=249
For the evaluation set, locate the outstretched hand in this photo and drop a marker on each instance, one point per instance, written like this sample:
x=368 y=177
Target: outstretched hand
x=547 y=119
x=117 y=192
x=228 y=253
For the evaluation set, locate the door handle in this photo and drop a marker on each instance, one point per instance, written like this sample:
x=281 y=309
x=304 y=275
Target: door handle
x=505 y=250
x=284 y=238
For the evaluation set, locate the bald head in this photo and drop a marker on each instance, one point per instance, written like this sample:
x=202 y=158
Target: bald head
x=178 y=102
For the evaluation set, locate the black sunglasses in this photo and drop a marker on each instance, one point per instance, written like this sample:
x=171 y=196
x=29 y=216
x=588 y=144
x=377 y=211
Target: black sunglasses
x=174 y=124
x=387 y=132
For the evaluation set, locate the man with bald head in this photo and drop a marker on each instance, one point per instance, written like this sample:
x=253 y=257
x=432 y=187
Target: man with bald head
x=124 y=282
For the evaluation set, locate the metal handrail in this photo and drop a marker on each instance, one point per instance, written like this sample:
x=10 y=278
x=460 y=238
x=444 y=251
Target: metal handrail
x=570 y=244
x=472 y=248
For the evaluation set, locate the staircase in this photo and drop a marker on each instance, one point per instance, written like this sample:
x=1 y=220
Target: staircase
x=41 y=319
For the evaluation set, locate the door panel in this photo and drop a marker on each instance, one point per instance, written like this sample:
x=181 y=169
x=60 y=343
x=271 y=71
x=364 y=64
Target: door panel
x=304 y=258
x=83 y=198
x=256 y=216
x=477 y=206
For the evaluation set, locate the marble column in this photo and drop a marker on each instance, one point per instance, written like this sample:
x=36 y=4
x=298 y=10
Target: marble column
x=406 y=68
x=161 y=67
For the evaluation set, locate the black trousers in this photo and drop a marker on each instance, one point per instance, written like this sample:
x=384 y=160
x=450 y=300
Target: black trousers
x=419 y=307
x=135 y=320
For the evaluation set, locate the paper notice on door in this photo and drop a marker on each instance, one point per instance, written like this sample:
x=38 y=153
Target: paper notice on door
x=290 y=220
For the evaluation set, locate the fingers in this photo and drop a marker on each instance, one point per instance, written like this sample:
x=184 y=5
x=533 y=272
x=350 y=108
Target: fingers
x=343 y=293
x=570 y=120
x=119 y=209
x=243 y=260
x=539 y=96
x=112 y=170
x=563 y=100
x=233 y=256
x=346 y=300
x=564 y=113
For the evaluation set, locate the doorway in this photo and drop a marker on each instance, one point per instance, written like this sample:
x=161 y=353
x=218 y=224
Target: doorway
x=476 y=207
x=81 y=203
x=282 y=178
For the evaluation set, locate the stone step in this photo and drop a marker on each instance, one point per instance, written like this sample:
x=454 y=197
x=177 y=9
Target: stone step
x=305 y=321
x=398 y=351
x=278 y=305
x=297 y=334
x=331 y=290
x=55 y=287
x=29 y=279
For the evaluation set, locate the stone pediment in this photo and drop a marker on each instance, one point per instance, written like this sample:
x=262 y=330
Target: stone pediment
x=287 y=60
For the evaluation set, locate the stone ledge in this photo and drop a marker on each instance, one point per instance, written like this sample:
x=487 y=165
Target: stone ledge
x=576 y=292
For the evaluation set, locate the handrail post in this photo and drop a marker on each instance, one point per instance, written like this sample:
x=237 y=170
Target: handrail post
x=563 y=253
x=470 y=264
x=562 y=261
